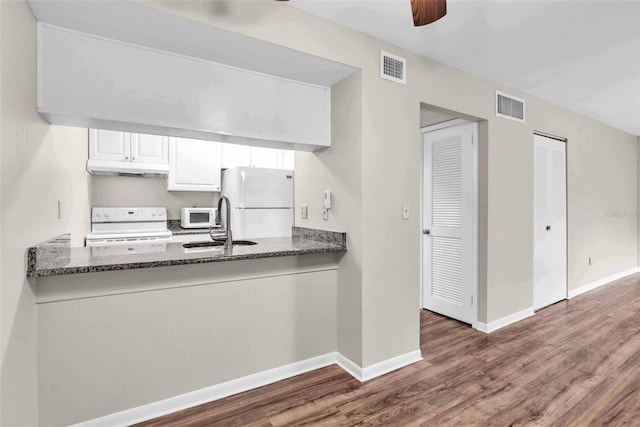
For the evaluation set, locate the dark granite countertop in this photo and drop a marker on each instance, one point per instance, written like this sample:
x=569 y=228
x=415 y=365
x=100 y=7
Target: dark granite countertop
x=56 y=256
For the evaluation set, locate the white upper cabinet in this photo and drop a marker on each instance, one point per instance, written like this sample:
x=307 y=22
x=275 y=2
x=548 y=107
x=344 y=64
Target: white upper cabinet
x=194 y=165
x=114 y=152
x=109 y=145
x=265 y=157
x=234 y=155
x=149 y=148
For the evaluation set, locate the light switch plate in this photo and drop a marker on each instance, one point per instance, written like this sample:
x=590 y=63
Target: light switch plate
x=405 y=211
x=304 y=211
x=325 y=213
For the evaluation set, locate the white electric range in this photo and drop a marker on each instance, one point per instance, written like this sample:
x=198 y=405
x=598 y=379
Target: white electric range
x=128 y=229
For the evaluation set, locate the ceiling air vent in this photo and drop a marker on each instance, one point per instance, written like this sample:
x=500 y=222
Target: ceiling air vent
x=393 y=67
x=509 y=107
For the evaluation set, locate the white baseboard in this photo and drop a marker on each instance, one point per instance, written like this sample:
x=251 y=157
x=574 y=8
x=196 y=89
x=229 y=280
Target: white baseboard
x=389 y=365
x=222 y=390
x=209 y=394
x=349 y=367
x=604 y=281
x=487 y=328
x=380 y=368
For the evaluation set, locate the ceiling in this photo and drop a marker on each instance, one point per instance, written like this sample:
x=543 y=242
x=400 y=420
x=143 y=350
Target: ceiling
x=583 y=55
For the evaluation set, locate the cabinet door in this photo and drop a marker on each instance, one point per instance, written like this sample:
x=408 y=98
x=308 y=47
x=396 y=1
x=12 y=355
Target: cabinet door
x=549 y=221
x=287 y=159
x=194 y=165
x=265 y=157
x=109 y=145
x=149 y=148
x=234 y=155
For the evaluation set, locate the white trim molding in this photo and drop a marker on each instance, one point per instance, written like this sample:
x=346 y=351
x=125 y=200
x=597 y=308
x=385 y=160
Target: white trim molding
x=604 y=281
x=386 y=366
x=380 y=368
x=222 y=390
x=487 y=328
x=349 y=366
x=209 y=394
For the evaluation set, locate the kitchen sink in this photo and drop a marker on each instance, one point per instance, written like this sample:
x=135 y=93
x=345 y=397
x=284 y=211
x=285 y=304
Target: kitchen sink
x=243 y=243
x=202 y=244
x=217 y=242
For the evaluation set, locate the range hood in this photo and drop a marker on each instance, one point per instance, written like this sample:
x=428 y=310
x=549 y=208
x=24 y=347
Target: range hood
x=114 y=168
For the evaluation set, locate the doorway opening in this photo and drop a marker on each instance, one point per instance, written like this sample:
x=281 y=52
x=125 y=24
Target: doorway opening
x=449 y=191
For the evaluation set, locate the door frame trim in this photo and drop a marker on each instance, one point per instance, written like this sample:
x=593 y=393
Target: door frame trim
x=474 y=207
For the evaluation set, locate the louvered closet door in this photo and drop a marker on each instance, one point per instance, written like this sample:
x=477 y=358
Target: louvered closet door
x=550 y=222
x=447 y=237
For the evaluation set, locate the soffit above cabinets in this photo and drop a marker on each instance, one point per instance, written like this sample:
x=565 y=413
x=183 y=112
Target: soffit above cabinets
x=91 y=81
x=139 y=25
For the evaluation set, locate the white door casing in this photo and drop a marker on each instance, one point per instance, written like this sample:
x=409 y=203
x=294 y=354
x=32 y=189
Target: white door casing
x=448 y=255
x=550 y=222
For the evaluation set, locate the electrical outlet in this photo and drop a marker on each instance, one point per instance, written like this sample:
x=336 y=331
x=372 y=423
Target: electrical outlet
x=325 y=214
x=304 y=211
x=405 y=211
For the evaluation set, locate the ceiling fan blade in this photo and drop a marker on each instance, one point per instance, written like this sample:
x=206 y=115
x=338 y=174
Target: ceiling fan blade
x=427 y=11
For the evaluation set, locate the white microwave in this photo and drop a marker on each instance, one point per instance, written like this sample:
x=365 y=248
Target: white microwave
x=198 y=217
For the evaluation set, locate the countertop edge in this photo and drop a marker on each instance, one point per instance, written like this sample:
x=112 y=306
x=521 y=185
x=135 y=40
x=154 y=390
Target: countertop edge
x=59 y=248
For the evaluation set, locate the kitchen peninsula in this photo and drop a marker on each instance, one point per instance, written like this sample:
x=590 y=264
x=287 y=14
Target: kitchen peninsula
x=56 y=256
x=155 y=325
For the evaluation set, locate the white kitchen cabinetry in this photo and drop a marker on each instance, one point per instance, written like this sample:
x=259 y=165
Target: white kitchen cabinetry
x=194 y=165
x=113 y=152
x=265 y=157
x=234 y=155
x=149 y=148
x=109 y=145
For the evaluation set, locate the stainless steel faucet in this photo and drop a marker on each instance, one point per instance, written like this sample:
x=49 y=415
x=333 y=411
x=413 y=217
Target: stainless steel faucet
x=228 y=239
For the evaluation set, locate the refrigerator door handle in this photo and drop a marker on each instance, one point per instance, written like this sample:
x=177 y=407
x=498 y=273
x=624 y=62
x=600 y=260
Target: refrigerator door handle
x=243 y=183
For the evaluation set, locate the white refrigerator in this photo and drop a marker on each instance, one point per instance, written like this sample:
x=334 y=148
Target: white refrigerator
x=261 y=201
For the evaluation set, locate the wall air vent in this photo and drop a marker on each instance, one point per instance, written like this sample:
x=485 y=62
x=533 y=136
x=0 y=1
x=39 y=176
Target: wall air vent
x=393 y=67
x=509 y=107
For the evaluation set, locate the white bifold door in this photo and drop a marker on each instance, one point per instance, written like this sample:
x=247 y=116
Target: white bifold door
x=550 y=222
x=448 y=260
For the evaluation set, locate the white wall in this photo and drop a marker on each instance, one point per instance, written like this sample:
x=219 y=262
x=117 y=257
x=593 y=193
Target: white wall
x=382 y=163
x=136 y=191
x=391 y=169
x=430 y=117
x=339 y=170
x=41 y=164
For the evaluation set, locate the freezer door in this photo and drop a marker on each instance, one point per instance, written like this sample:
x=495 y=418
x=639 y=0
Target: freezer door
x=258 y=187
x=257 y=223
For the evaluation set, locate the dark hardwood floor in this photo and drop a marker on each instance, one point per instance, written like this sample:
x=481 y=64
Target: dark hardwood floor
x=576 y=363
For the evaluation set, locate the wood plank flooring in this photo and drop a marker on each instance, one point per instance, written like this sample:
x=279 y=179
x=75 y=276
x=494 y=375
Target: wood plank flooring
x=576 y=363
